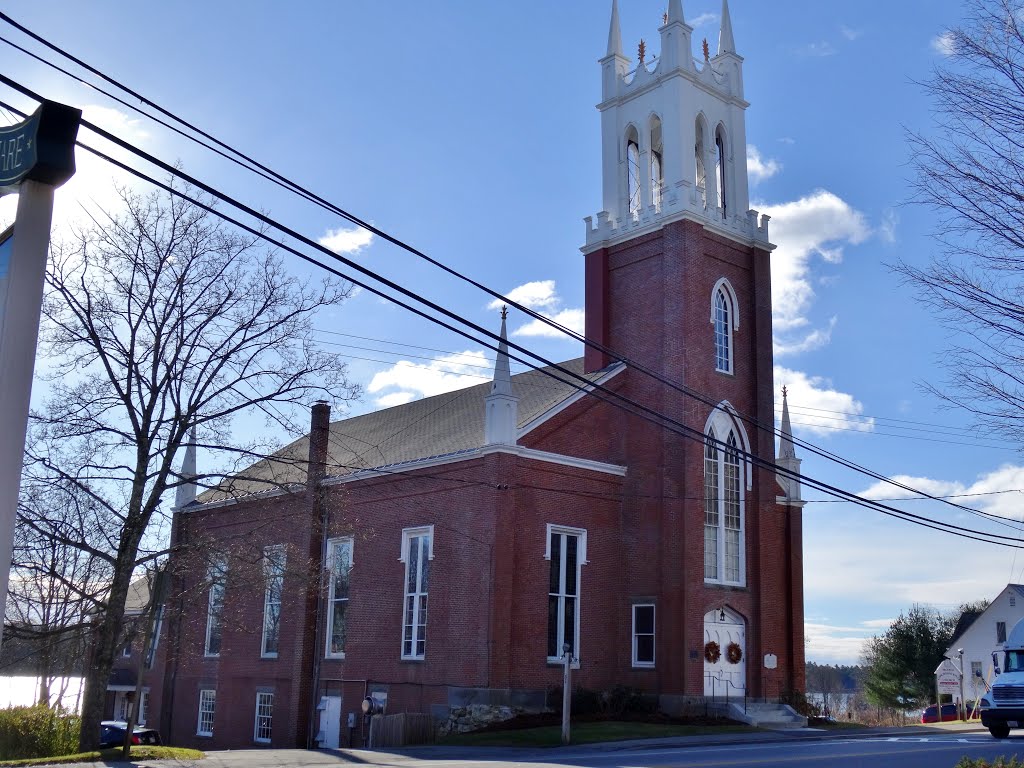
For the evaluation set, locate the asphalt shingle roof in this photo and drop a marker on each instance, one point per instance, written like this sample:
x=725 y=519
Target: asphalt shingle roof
x=441 y=425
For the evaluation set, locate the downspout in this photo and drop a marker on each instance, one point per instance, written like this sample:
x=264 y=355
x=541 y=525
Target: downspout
x=319 y=436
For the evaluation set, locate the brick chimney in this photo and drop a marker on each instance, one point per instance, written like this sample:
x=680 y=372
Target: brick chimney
x=319 y=436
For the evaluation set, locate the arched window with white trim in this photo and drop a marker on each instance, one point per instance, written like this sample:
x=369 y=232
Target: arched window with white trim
x=724 y=499
x=701 y=179
x=633 y=172
x=725 y=320
x=657 y=169
x=720 y=170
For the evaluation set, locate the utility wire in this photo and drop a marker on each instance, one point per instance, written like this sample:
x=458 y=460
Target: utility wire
x=305 y=193
x=584 y=384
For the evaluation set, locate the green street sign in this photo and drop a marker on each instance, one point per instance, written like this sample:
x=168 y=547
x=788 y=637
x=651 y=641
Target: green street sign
x=40 y=148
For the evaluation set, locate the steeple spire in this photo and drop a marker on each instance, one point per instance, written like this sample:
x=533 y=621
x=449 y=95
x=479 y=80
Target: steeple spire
x=786 y=447
x=614 y=32
x=675 y=11
x=502 y=383
x=787 y=460
x=185 y=493
x=501 y=406
x=726 y=44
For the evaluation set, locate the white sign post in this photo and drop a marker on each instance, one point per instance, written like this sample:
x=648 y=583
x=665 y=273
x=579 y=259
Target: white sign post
x=36 y=156
x=947 y=680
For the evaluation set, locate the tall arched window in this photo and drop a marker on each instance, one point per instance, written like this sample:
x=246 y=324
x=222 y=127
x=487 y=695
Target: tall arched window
x=720 y=169
x=725 y=319
x=701 y=180
x=723 y=502
x=657 y=170
x=633 y=172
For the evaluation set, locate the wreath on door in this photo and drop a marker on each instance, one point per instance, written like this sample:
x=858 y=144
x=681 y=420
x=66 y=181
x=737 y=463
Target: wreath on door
x=712 y=652
x=734 y=653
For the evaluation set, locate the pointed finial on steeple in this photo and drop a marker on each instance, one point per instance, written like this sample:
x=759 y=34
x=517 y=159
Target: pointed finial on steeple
x=642 y=50
x=614 y=33
x=704 y=47
x=725 y=42
x=186 y=492
x=502 y=383
x=786 y=448
x=675 y=11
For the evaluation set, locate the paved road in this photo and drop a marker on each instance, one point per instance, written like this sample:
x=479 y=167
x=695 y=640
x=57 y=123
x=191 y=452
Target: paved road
x=934 y=750
x=905 y=749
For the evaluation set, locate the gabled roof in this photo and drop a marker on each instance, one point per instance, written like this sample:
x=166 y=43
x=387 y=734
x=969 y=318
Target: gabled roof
x=441 y=425
x=963 y=624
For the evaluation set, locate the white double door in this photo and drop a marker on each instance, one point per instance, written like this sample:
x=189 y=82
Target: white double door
x=723 y=678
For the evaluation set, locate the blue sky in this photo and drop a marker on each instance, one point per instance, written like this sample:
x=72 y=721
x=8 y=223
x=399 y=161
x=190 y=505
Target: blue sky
x=469 y=130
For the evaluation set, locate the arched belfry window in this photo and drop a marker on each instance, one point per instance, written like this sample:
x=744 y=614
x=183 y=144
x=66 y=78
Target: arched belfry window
x=724 y=547
x=701 y=180
x=657 y=167
x=720 y=170
x=725 y=320
x=633 y=172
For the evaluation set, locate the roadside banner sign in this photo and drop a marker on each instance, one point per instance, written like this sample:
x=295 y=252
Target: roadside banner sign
x=947 y=677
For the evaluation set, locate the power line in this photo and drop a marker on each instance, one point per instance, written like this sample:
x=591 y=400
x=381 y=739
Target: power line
x=584 y=384
x=310 y=196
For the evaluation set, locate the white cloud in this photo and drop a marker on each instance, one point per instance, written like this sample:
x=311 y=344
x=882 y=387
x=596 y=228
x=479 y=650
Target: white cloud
x=408 y=381
x=820 y=224
x=758 y=168
x=815 y=406
x=347 y=240
x=887 y=229
x=850 y=33
x=831 y=644
x=817 y=50
x=570 y=318
x=536 y=294
x=395 y=398
x=703 y=20
x=999 y=492
x=812 y=340
x=944 y=44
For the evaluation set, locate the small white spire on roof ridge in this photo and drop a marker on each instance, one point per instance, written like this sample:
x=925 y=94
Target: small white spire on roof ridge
x=186 y=492
x=501 y=406
x=786 y=448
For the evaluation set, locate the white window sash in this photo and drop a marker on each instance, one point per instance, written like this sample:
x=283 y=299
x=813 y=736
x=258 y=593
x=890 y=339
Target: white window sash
x=636 y=637
x=580 y=534
x=272 y=597
x=207 y=707
x=264 y=703
x=332 y=601
x=411 y=621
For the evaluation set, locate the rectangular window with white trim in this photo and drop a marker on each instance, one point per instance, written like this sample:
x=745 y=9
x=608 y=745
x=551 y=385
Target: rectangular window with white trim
x=216 y=576
x=273 y=573
x=143 y=708
x=207 y=707
x=567 y=553
x=417 y=552
x=339 y=563
x=264 y=717
x=643 y=635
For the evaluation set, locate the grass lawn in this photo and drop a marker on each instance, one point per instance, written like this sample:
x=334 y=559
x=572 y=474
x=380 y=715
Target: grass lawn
x=112 y=755
x=587 y=733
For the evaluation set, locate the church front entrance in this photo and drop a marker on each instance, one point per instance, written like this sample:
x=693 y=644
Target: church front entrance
x=725 y=654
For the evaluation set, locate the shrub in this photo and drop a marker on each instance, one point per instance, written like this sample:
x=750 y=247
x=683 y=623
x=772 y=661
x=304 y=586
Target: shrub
x=27 y=732
x=980 y=762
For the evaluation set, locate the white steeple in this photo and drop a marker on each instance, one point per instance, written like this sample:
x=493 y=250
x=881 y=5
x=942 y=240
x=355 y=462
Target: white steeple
x=186 y=492
x=725 y=42
x=673 y=138
x=787 y=460
x=501 y=414
x=614 y=32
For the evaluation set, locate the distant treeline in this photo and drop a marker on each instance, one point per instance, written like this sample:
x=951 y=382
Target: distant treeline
x=823 y=678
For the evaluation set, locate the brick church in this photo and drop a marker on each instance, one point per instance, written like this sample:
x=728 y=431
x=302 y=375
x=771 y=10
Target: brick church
x=447 y=551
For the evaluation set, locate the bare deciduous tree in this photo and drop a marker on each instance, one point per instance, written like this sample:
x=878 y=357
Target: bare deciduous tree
x=970 y=172
x=159 y=319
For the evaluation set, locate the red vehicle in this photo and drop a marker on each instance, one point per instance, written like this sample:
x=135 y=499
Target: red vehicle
x=930 y=714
